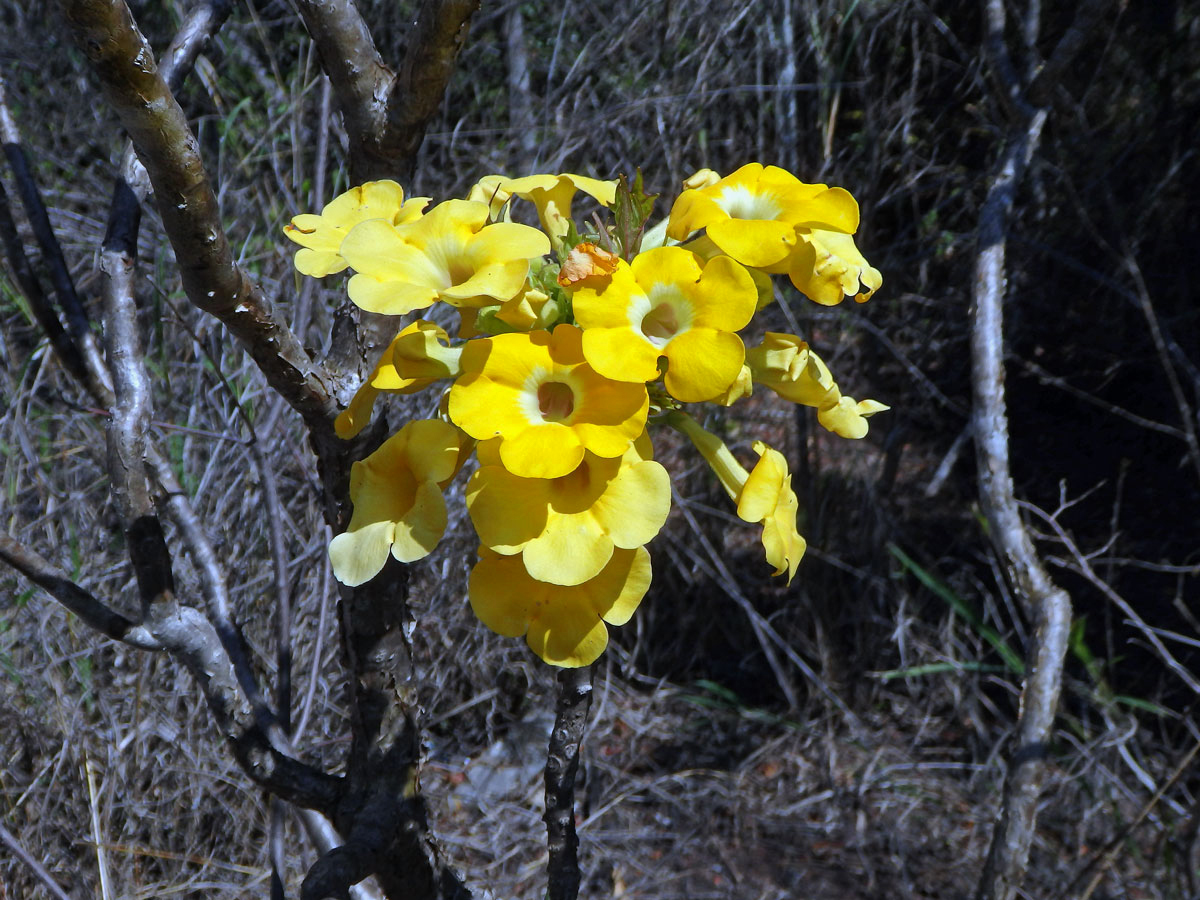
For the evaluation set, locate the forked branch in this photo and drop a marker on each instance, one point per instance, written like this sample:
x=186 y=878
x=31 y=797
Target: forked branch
x=137 y=92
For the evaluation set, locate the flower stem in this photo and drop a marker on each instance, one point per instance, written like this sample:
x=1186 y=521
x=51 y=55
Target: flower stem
x=562 y=765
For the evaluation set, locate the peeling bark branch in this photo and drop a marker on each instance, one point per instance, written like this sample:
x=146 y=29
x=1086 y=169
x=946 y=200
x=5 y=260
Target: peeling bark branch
x=1048 y=605
x=181 y=630
x=176 y=63
x=134 y=87
x=562 y=765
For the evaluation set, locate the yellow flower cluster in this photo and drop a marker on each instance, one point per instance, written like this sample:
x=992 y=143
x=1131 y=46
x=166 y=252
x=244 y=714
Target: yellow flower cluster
x=569 y=346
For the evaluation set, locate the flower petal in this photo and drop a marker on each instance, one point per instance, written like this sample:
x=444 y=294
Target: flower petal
x=703 y=364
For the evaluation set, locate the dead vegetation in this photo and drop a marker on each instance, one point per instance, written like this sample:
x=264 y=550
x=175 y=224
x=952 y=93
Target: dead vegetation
x=845 y=738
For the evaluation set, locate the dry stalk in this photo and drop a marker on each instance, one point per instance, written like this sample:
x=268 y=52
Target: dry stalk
x=562 y=765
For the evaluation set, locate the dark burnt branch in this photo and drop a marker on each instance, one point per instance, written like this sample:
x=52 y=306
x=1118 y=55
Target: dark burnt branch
x=122 y=59
x=188 y=636
x=59 y=585
x=562 y=765
x=77 y=348
x=381 y=815
x=386 y=114
x=78 y=322
x=31 y=288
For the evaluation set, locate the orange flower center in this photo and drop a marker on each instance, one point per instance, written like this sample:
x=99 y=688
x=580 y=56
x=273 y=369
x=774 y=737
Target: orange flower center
x=556 y=401
x=661 y=323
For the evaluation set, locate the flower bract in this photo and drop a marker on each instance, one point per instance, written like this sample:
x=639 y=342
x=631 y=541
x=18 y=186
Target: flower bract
x=450 y=254
x=398 y=503
x=568 y=528
x=564 y=626
x=668 y=303
x=320 y=236
x=537 y=393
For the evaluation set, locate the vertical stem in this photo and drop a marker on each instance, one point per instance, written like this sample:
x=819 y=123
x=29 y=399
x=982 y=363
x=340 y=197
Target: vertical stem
x=1048 y=605
x=562 y=764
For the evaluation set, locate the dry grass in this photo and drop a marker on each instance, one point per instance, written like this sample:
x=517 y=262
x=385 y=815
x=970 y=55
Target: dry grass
x=709 y=773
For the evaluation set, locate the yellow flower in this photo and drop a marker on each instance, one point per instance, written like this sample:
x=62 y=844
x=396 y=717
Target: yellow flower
x=320 y=237
x=536 y=393
x=450 y=254
x=787 y=365
x=763 y=495
x=551 y=194
x=848 y=418
x=413 y=361
x=564 y=626
x=704 y=247
x=567 y=528
x=398 y=503
x=753 y=214
x=667 y=304
x=827 y=266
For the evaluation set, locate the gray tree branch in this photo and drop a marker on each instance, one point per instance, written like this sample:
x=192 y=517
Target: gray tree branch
x=1046 y=604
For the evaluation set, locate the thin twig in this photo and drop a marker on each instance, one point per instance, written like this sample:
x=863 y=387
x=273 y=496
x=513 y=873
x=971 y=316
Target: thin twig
x=59 y=585
x=9 y=840
x=1081 y=566
x=562 y=765
x=1100 y=862
x=89 y=775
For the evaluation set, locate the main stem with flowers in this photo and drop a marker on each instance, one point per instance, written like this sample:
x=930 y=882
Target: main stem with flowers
x=572 y=345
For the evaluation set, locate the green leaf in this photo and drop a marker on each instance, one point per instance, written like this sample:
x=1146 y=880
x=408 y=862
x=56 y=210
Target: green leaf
x=1011 y=658
x=936 y=669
